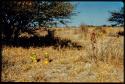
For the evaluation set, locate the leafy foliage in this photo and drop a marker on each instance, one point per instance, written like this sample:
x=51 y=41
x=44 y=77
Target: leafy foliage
x=16 y=16
x=117 y=17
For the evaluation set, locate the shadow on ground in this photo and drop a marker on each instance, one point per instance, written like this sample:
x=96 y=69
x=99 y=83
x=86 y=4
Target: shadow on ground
x=41 y=41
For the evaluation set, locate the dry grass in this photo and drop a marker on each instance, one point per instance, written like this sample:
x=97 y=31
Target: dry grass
x=69 y=64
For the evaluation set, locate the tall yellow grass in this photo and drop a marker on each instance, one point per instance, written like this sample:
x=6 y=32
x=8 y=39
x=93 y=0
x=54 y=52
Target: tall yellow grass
x=99 y=60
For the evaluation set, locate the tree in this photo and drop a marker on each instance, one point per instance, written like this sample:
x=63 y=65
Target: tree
x=17 y=15
x=117 y=17
x=58 y=12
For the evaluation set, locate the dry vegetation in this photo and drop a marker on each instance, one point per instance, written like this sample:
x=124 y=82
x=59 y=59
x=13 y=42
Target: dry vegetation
x=99 y=60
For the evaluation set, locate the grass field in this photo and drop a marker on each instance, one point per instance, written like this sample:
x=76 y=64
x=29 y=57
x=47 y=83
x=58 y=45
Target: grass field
x=99 y=59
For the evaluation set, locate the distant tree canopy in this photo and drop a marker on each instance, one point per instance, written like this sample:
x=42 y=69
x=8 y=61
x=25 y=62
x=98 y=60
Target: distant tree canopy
x=17 y=15
x=117 y=17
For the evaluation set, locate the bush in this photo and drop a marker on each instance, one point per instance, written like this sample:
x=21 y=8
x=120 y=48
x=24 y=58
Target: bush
x=121 y=33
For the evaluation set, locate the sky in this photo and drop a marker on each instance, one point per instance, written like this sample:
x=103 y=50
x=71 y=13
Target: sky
x=93 y=13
